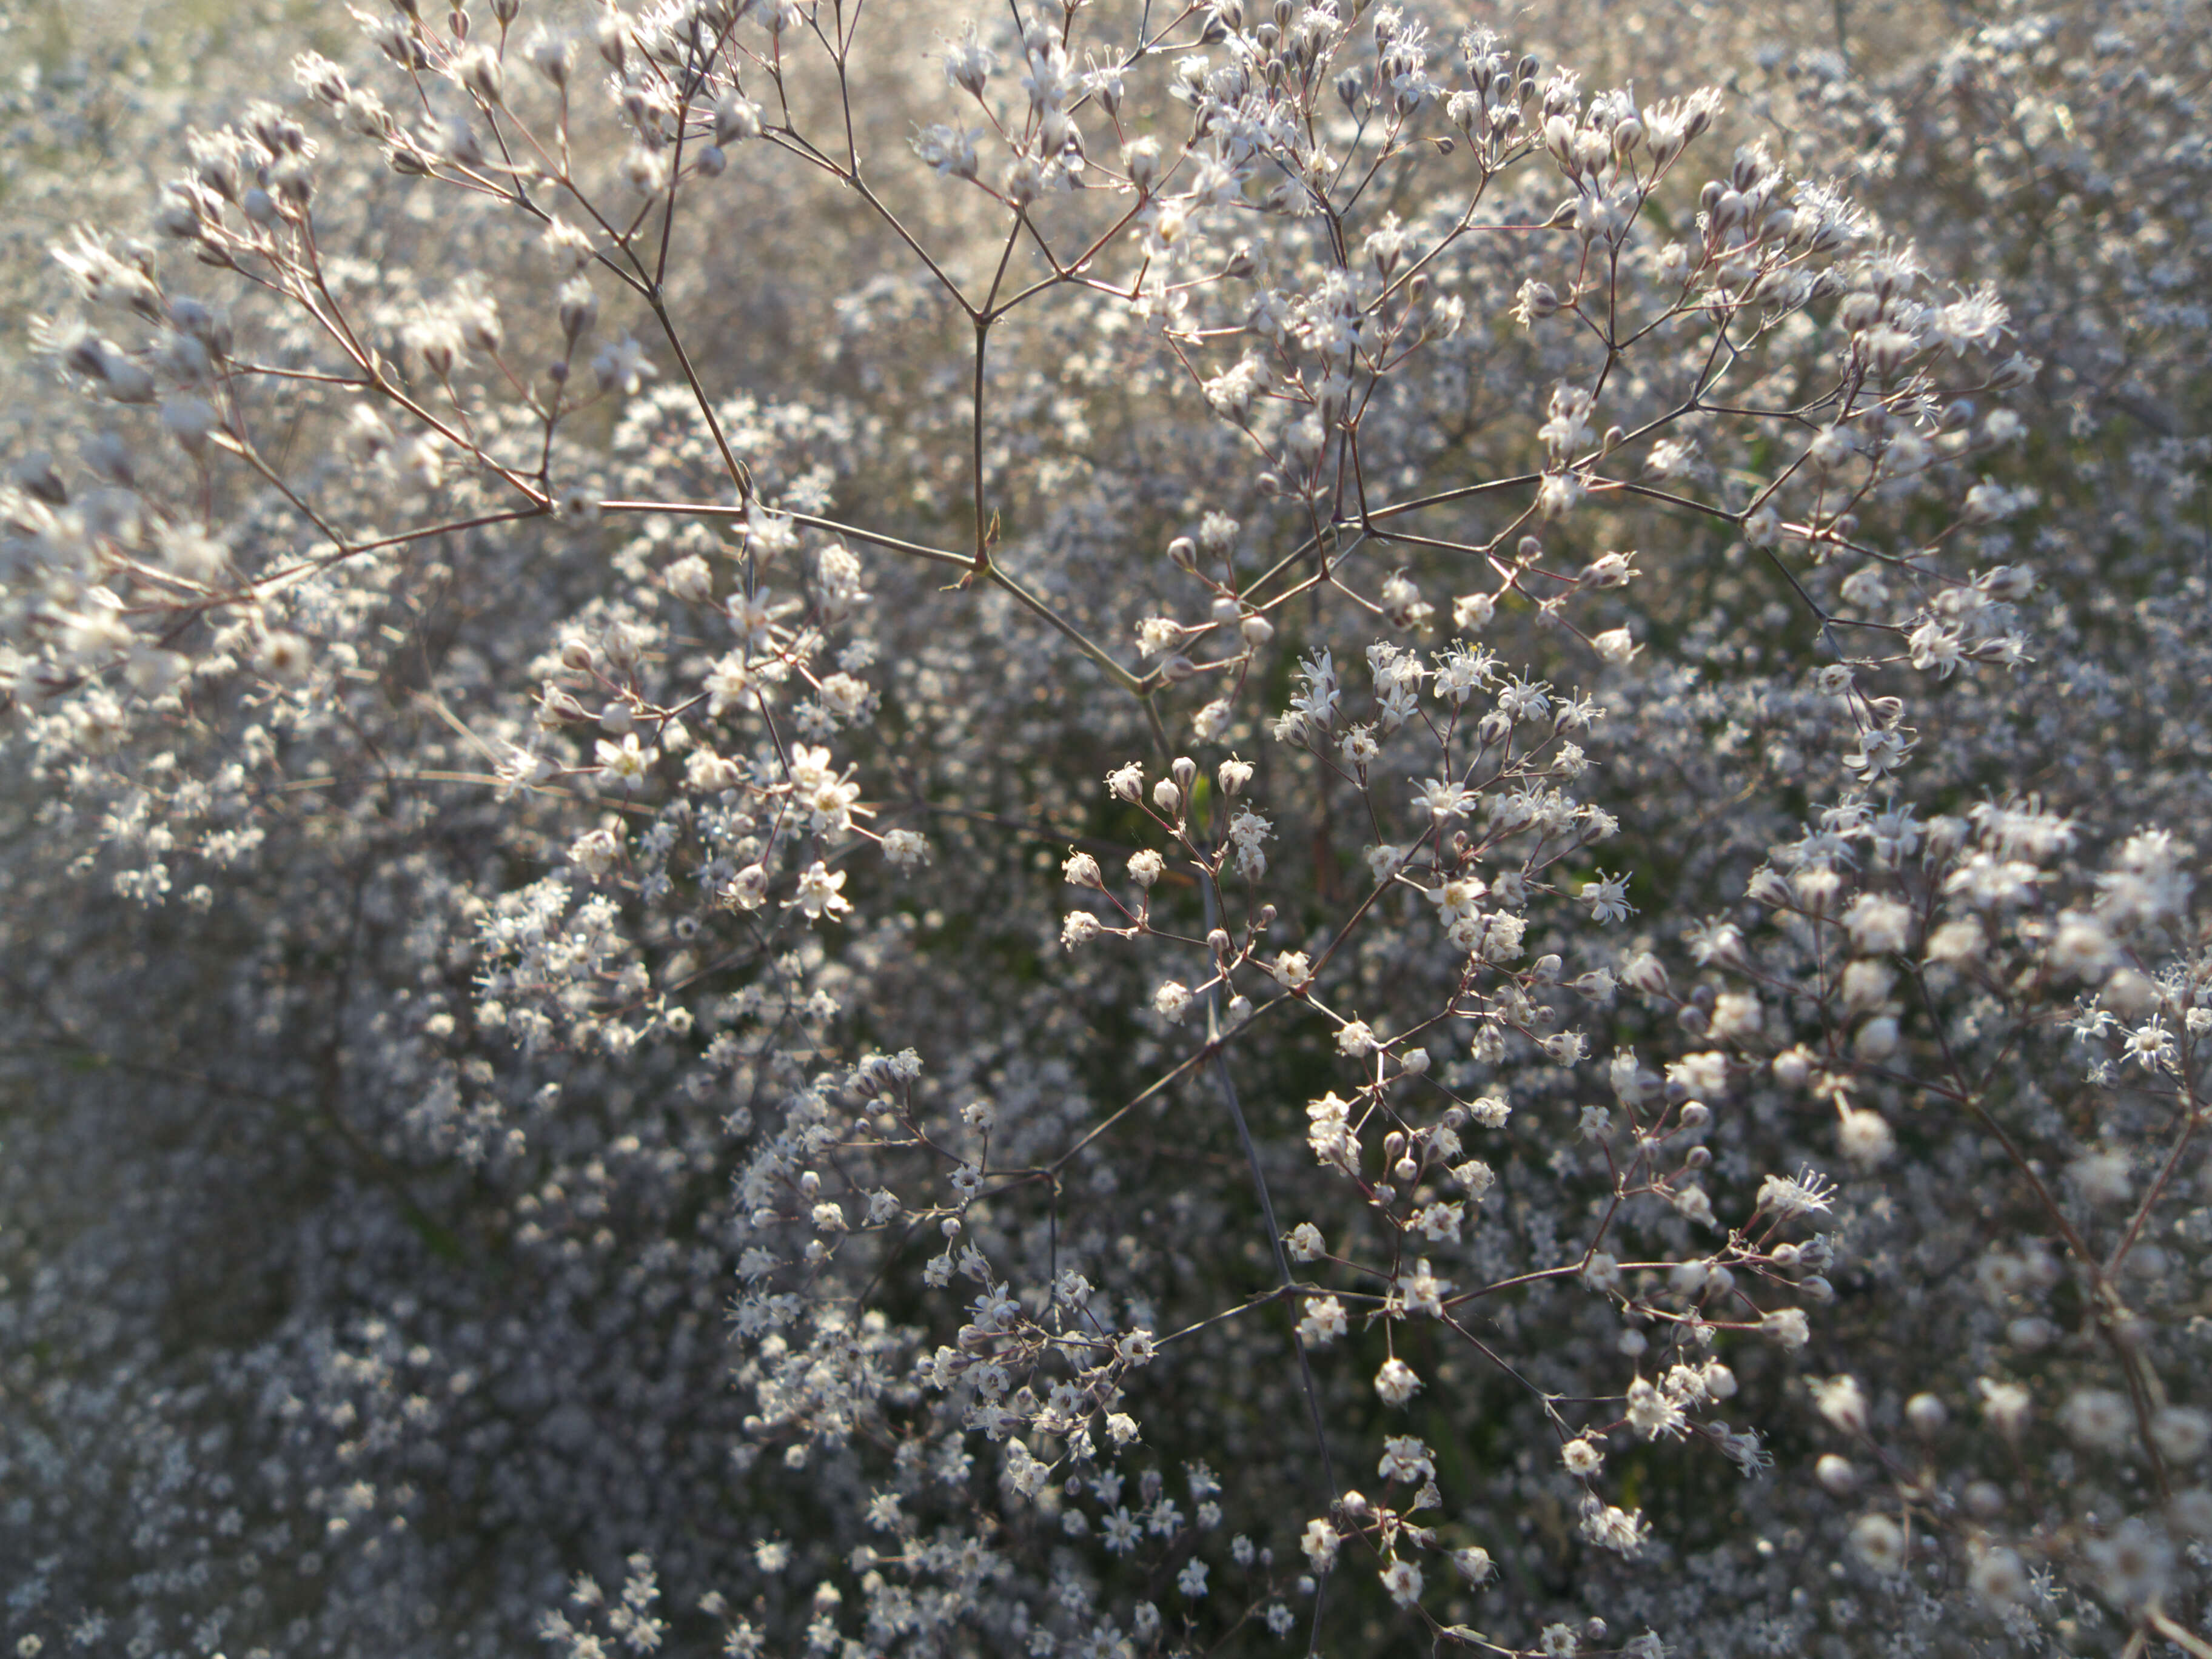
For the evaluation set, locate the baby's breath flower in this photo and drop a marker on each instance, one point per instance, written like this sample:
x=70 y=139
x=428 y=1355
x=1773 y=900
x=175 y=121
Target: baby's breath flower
x=1319 y=1544
x=820 y=894
x=1879 y=1543
x=1607 y=898
x=1396 y=1382
x=1403 y=1579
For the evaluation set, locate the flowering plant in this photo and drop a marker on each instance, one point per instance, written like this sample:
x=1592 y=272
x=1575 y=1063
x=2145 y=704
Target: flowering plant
x=887 y=821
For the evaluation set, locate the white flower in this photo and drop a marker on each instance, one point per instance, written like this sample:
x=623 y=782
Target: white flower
x=1865 y=1137
x=2151 y=1045
x=2007 y=1405
x=1607 y=898
x=2135 y=1565
x=1406 y=1458
x=1652 y=1413
x=1997 y=1576
x=1396 y=1382
x=595 y=852
x=1880 y=1542
x=1172 y=1000
x=1623 y=1531
x=1403 y=1580
x=1786 y=1197
x=747 y=890
x=1159 y=634
x=1320 y=1543
x=1737 y=1015
x=621 y=363
x=625 y=762
x=1421 y=1292
x=1247 y=829
x=1788 y=1326
x=819 y=894
x=1323 y=1323
x=1840 y=1400
x=1439 y=1224
x=1473 y=1563
x=2098 y=1418
x=1877 y=925
x=1442 y=799
x=1567 y=1048
x=1879 y=754
x=968 y=62
x=949 y=149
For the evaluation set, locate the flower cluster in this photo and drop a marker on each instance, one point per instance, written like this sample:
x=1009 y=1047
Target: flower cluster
x=1241 y=825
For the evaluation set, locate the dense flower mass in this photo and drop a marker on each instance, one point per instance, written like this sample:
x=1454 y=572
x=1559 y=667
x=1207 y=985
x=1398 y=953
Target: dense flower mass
x=1105 y=828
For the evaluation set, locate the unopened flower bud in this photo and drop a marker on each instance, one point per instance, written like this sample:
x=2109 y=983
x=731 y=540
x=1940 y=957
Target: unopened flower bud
x=611 y=37
x=1926 y=1414
x=579 y=309
x=1142 y=162
x=550 y=55
x=480 y=72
